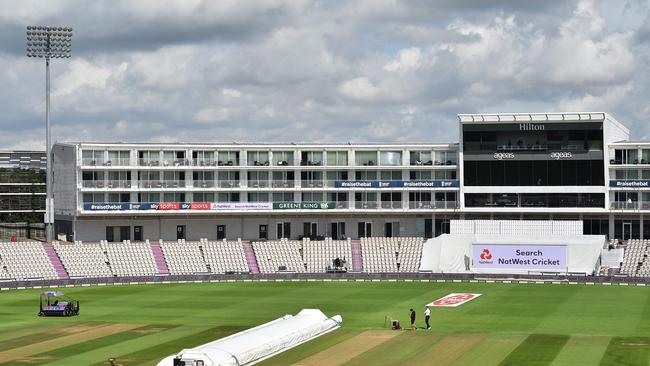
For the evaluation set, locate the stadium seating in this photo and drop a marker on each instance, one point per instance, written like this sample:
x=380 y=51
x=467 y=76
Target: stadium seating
x=25 y=260
x=319 y=255
x=275 y=254
x=130 y=259
x=384 y=254
x=183 y=257
x=223 y=256
x=83 y=260
x=635 y=261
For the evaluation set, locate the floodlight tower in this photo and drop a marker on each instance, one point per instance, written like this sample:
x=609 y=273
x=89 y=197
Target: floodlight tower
x=48 y=42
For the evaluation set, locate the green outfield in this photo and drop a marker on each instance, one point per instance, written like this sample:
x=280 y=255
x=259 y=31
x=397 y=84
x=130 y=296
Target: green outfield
x=510 y=324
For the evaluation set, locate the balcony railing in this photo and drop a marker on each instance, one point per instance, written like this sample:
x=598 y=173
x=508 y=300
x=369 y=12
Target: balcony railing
x=173 y=183
x=426 y=205
x=634 y=205
x=92 y=162
x=258 y=183
x=204 y=162
x=149 y=162
x=391 y=204
x=312 y=183
x=283 y=183
x=93 y=183
x=150 y=184
x=228 y=183
x=118 y=162
x=176 y=162
x=203 y=184
x=118 y=184
x=366 y=205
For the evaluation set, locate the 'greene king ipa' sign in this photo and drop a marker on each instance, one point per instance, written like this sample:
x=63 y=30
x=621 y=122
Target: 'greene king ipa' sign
x=522 y=257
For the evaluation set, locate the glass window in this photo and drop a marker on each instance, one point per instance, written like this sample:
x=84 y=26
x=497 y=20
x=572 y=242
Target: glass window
x=281 y=158
x=203 y=197
x=390 y=157
x=282 y=196
x=258 y=158
x=312 y=196
x=336 y=158
x=118 y=157
x=149 y=197
x=311 y=158
x=420 y=158
x=391 y=175
x=365 y=175
x=228 y=158
x=365 y=158
x=258 y=197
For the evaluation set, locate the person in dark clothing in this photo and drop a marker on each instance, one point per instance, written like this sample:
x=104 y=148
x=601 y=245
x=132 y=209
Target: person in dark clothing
x=413 y=326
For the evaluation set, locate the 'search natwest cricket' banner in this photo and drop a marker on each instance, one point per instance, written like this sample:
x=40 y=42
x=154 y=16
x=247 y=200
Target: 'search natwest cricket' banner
x=453 y=300
x=522 y=257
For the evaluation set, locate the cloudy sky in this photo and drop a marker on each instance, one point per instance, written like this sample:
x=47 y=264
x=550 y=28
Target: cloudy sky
x=300 y=70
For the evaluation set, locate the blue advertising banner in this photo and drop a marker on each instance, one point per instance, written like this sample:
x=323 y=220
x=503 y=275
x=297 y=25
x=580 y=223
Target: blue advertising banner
x=396 y=183
x=629 y=183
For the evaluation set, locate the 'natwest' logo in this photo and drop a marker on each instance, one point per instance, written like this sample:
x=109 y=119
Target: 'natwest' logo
x=486 y=255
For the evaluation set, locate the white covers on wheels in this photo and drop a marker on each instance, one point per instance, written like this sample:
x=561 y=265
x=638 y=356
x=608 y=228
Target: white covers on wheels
x=258 y=343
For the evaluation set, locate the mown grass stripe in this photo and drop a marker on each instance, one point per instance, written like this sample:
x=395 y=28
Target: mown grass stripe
x=317 y=345
x=491 y=351
x=536 y=350
x=582 y=350
x=38 y=334
x=151 y=355
x=448 y=350
x=104 y=341
x=397 y=351
x=626 y=351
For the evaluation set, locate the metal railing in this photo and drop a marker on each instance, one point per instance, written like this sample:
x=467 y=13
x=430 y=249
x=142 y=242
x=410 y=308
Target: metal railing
x=255 y=183
x=366 y=205
x=118 y=184
x=312 y=183
x=622 y=205
x=228 y=183
x=426 y=205
x=283 y=183
x=203 y=183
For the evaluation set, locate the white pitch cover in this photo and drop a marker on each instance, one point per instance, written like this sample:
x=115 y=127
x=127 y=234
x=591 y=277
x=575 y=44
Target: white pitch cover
x=256 y=344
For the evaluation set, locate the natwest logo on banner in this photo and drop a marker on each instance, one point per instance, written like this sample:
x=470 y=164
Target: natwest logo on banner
x=504 y=156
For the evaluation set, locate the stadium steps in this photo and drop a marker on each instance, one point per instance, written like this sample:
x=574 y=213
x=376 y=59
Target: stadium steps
x=251 y=259
x=357 y=256
x=56 y=261
x=159 y=257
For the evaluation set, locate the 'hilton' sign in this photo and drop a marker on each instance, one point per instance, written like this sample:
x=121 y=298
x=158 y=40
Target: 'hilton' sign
x=530 y=127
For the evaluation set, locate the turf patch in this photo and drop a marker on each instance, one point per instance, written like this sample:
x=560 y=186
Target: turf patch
x=349 y=349
x=401 y=350
x=626 y=351
x=491 y=351
x=58 y=341
x=536 y=350
x=41 y=335
x=319 y=344
x=152 y=355
x=447 y=350
x=101 y=342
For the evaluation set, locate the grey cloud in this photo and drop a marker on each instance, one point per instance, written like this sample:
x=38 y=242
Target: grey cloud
x=317 y=71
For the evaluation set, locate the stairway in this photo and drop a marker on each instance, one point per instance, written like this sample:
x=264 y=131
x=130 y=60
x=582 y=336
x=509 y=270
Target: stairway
x=357 y=257
x=159 y=257
x=56 y=261
x=251 y=259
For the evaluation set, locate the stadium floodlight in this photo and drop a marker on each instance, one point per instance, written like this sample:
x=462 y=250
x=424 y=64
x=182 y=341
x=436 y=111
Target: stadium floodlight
x=48 y=42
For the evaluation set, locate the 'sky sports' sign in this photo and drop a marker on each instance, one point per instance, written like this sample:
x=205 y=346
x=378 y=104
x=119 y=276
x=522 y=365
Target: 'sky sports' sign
x=523 y=257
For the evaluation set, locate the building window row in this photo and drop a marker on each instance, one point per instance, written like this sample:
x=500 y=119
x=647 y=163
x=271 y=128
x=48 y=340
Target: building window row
x=166 y=158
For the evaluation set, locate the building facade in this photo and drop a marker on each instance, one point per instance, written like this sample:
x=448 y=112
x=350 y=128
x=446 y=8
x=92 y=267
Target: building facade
x=22 y=186
x=505 y=166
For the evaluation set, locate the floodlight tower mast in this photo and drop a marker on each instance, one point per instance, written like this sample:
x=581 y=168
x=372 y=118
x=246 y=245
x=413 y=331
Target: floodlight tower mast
x=48 y=42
